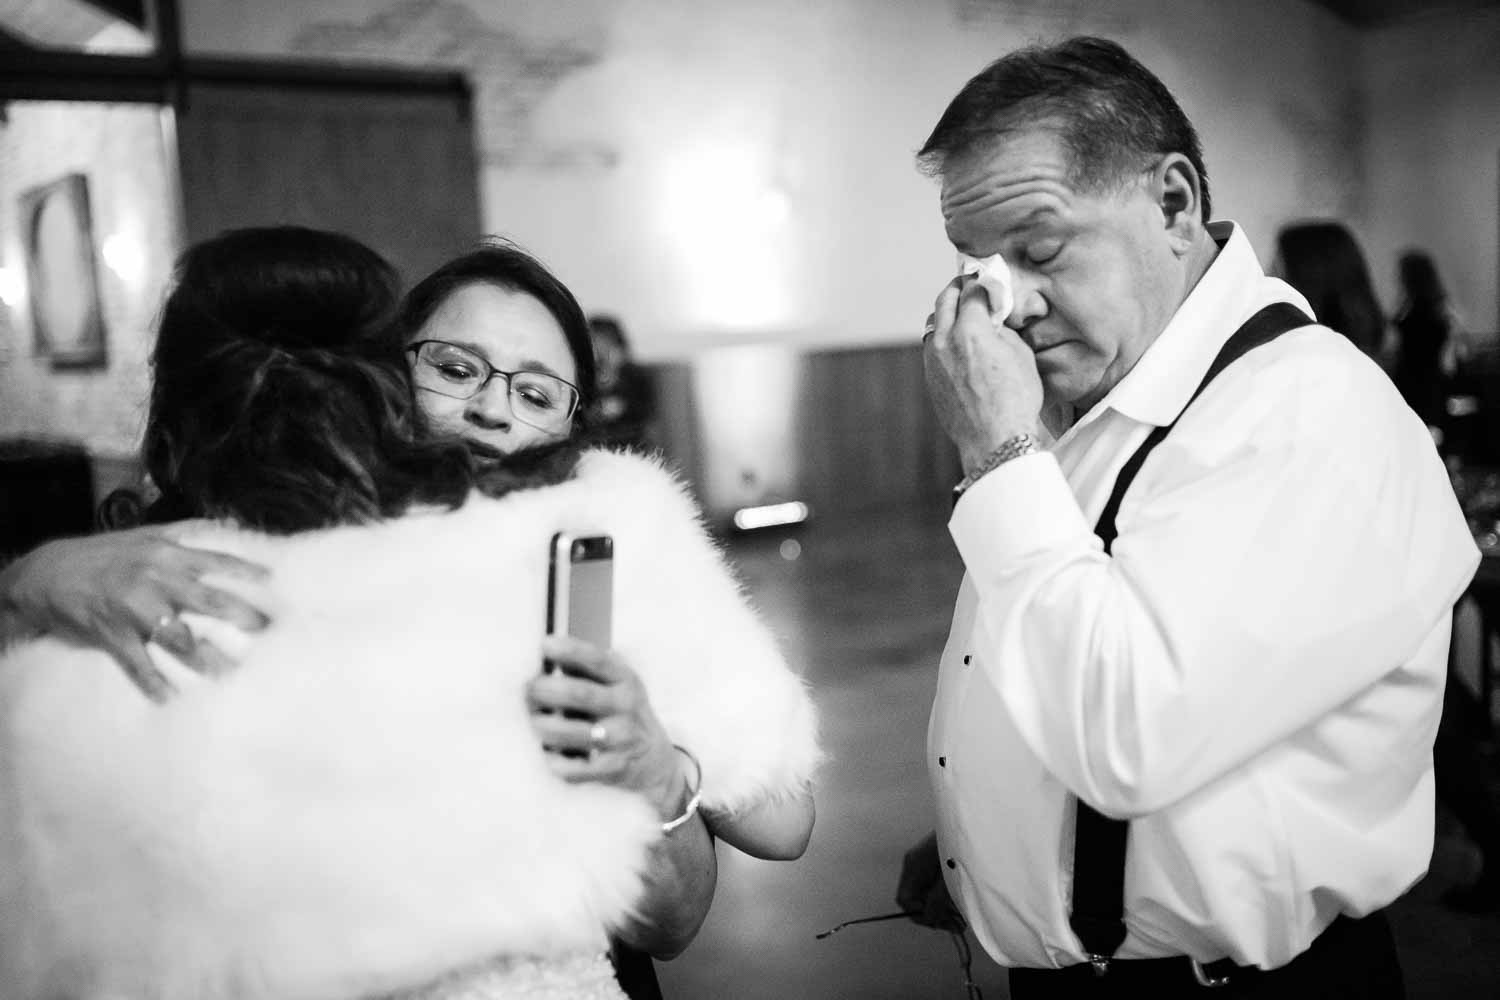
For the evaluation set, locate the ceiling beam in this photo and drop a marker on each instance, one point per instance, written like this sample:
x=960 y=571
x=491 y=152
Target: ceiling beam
x=1380 y=13
x=50 y=75
x=53 y=75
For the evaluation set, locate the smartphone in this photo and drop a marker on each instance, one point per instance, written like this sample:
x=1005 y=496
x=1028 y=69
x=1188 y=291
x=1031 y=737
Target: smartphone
x=581 y=587
x=580 y=596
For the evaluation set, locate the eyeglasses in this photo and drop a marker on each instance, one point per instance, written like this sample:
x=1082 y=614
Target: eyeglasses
x=543 y=401
x=960 y=944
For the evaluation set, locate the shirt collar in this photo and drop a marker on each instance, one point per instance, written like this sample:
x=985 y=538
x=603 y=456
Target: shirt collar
x=1165 y=377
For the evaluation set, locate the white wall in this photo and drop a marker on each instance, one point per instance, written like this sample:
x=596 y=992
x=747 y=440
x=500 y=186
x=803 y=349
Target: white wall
x=1434 y=163
x=723 y=170
x=714 y=169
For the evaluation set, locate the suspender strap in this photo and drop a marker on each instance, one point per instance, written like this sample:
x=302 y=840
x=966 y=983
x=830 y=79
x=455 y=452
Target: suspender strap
x=1262 y=328
x=1098 y=916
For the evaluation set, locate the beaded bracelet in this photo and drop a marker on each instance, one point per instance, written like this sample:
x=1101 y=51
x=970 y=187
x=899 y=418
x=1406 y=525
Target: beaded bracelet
x=695 y=787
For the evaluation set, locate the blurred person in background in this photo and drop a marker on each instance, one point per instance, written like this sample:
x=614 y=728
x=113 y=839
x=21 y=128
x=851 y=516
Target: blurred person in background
x=626 y=400
x=1323 y=261
x=1427 y=347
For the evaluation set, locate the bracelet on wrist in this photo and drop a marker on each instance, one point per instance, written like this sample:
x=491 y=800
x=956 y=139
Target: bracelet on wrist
x=695 y=792
x=1011 y=447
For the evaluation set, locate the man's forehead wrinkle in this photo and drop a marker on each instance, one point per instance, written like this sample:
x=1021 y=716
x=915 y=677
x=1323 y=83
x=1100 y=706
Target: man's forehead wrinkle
x=979 y=198
x=978 y=184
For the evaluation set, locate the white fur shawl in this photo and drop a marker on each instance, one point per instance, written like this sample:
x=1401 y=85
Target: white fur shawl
x=362 y=806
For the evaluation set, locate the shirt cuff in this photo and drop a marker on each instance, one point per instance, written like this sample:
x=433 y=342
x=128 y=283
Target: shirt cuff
x=1021 y=507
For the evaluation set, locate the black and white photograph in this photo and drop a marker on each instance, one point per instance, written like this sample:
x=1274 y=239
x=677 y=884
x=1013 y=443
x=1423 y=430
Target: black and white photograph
x=749 y=499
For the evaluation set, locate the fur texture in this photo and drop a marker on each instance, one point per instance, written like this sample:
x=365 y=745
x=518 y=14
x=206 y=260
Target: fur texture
x=362 y=806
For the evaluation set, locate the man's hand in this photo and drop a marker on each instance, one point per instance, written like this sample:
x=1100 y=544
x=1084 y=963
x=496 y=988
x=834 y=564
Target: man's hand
x=981 y=376
x=922 y=891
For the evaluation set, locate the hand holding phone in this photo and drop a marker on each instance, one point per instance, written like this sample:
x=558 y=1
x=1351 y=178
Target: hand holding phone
x=580 y=595
x=595 y=722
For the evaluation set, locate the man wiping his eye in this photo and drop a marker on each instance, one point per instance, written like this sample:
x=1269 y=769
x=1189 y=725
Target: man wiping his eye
x=1182 y=736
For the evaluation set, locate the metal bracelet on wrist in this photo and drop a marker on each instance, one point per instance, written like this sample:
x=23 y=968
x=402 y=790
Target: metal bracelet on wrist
x=695 y=787
x=1012 y=447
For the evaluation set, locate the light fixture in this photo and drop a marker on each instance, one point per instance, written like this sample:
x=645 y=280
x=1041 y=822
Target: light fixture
x=771 y=515
x=125 y=257
x=724 y=220
x=12 y=288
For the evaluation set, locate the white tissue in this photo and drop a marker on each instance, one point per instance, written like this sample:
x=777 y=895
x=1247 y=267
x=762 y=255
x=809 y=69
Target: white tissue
x=994 y=278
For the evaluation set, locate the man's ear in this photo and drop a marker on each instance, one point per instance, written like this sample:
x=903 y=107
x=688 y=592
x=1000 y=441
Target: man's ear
x=1178 y=192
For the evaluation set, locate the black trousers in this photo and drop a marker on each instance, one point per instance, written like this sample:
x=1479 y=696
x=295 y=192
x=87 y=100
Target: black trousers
x=1351 y=960
x=634 y=972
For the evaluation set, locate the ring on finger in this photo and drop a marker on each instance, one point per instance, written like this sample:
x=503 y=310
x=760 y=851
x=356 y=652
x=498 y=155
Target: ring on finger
x=163 y=623
x=598 y=737
x=929 y=329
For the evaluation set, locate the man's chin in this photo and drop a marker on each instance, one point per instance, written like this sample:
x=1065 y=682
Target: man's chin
x=1058 y=388
x=1077 y=393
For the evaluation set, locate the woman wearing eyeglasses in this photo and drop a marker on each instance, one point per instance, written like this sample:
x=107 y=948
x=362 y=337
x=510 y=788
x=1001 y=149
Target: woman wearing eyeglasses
x=496 y=351
x=499 y=357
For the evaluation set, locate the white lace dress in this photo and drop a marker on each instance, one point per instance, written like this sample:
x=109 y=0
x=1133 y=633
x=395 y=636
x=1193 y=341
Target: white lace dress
x=581 y=976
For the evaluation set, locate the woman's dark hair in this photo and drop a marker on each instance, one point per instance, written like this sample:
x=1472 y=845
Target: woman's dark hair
x=1420 y=285
x=502 y=263
x=1323 y=261
x=607 y=327
x=279 y=398
x=1113 y=114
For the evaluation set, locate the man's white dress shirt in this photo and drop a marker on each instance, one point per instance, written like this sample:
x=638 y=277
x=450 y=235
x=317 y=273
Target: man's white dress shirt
x=1253 y=678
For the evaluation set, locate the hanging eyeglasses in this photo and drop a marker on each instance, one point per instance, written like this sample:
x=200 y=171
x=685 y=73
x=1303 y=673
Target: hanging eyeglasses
x=960 y=944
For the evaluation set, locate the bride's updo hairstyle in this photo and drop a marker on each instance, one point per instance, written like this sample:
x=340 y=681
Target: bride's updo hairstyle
x=280 y=398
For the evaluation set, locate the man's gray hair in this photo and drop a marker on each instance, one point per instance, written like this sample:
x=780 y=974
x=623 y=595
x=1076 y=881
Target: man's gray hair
x=1112 y=113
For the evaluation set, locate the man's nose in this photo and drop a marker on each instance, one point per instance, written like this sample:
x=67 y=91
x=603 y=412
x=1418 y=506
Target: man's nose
x=490 y=406
x=1030 y=305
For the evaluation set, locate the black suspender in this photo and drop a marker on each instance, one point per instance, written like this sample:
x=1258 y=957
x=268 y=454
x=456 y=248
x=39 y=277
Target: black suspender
x=1097 y=915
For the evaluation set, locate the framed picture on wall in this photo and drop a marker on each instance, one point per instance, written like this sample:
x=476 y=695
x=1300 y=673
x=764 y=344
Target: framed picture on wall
x=67 y=317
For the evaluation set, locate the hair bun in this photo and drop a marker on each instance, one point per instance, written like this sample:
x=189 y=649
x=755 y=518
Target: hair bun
x=313 y=312
x=294 y=288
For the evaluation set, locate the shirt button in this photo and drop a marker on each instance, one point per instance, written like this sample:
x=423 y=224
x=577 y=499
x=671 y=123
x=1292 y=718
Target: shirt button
x=967 y=658
x=952 y=863
x=942 y=762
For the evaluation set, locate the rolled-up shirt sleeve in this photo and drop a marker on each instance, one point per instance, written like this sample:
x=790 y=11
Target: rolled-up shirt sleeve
x=1292 y=541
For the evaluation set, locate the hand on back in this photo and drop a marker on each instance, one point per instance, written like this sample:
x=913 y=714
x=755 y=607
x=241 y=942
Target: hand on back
x=125 y=589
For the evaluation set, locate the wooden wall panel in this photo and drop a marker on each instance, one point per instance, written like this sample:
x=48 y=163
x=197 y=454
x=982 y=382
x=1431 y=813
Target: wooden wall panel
x=868 y=438
x=395 y=170
x=871 y=441
x=674 y=430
